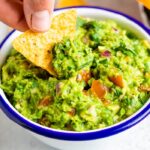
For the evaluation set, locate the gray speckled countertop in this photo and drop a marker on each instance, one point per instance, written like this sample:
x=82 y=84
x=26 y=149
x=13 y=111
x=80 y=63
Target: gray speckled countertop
x=14 y=137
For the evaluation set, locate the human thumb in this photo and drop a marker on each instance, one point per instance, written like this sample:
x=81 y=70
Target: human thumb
x=37 y=14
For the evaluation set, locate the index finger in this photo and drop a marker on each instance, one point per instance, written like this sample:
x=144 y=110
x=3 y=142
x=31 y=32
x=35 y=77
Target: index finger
x=15 y=17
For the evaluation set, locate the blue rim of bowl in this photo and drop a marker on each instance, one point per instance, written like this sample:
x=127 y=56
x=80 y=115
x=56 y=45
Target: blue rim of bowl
x=78 y=136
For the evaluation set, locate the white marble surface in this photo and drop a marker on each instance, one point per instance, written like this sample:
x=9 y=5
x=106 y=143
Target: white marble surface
x=3 y=31
x=14 y=137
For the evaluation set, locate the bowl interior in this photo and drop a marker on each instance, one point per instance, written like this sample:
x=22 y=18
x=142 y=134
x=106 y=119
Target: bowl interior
x=86 y=12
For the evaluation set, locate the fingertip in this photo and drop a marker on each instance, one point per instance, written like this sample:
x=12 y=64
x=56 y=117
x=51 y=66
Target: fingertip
x=40 y=21
x=38 y=14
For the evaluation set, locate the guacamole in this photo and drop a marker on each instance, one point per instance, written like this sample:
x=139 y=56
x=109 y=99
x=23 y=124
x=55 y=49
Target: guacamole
x=102 y=77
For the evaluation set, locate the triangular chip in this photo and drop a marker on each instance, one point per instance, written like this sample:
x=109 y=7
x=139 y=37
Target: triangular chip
x=37 y=47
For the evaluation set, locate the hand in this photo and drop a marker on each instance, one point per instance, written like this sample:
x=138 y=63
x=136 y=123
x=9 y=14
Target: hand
x=27 y=14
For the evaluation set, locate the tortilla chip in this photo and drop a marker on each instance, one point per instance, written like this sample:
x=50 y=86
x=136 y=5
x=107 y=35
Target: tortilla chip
x=37 y=47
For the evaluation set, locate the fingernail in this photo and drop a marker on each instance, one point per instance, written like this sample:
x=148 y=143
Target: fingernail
x=40 y=21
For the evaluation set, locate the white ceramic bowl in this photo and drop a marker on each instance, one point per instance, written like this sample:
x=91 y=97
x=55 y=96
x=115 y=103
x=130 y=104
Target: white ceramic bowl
x=69 y=140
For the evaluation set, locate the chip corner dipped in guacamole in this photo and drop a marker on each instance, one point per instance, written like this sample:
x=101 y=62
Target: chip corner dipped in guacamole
x=102 y=76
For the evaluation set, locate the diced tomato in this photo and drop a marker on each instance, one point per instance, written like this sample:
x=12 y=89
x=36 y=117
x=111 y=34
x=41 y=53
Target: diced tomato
x=117 y=80
x=72 y=112
x=105 y=102
x=45 y=101
x=84 y=75
x=98 y=89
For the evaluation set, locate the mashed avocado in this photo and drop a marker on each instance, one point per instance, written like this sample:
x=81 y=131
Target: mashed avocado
x=103 y=77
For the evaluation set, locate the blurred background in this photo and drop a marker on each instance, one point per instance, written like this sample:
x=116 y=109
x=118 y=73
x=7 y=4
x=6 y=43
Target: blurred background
x=130 y=7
